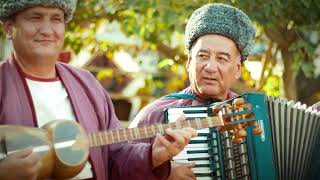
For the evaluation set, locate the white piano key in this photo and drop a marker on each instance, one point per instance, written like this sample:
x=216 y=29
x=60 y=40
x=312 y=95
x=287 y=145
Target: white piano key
x=197 y=115
x=202 y=169
x=185 y=155
x=214 y=143
x=204 y=178
x=173 y=117
x=200 y=138
x=205 y=130
x=198 y=162
x=198 y=146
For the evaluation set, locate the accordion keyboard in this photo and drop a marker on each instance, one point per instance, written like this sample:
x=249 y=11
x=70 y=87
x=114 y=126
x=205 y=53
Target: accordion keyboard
x=204 y=152
x=286 y=148
x=215 y=160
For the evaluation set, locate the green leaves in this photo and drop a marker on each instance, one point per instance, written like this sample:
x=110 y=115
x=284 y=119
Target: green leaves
x=160 y=24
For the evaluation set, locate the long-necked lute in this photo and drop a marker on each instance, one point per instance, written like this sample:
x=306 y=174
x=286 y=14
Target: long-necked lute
x=64 y=145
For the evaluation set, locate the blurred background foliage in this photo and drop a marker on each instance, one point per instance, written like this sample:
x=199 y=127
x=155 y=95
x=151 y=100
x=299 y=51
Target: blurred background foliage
x=287 y=42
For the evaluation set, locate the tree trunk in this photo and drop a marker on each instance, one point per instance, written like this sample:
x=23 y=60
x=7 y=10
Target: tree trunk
x=284 y=37
x=308 y=89
x=288 y=77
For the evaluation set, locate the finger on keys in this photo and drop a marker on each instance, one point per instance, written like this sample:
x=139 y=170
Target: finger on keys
x=181 y=171
x=190 y=131
x=182 y=117
x=190 y=165
x=163 y=140
x=177 y=136
x=190 y=177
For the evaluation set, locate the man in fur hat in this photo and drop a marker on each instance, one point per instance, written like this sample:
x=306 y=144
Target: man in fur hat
x=218 y=38
x=36 y=89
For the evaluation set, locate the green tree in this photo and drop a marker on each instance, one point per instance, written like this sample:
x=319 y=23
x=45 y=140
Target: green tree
x=288 y=31
x=287 y=28
x=293 y=26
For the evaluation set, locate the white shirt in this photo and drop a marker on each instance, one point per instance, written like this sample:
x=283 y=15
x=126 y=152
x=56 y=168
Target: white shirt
x=51 y=102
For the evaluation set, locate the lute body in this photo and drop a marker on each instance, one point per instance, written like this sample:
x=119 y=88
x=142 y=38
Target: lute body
x=62 y=144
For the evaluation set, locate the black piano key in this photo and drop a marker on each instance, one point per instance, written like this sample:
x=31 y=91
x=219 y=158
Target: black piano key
x=203 y=165
x=212 y=174
x=198 y=151
x=198 y=141
x=198 y=111
x=198 y=159
x=204 y=134
x=210 y=166
x=209 y=151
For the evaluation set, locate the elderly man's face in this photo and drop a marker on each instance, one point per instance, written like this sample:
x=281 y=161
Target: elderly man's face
x=37 y=32
x=213 y=65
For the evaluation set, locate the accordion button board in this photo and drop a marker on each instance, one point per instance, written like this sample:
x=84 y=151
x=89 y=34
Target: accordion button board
x=287 y=148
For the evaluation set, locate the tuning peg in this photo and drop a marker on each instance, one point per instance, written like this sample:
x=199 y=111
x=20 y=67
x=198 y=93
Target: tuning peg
x=216 y=109
x=236 y=139
x=238 y=102
x=256 y=130
x=241 y=132
x=227 y=107
x=247 y=105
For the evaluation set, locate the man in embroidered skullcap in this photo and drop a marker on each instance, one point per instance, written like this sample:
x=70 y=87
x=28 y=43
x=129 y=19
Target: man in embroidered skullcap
x=218 y=39
x=36 y=89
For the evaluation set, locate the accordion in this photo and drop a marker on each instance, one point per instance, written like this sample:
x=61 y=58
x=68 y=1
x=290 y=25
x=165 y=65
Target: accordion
x=287 y=148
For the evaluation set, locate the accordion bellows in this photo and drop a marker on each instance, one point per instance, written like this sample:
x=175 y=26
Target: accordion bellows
x=295 y=137
x=288 y=148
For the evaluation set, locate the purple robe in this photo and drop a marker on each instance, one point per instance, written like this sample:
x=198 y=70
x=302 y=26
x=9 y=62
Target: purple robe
x=93 y=110
x=153 y=112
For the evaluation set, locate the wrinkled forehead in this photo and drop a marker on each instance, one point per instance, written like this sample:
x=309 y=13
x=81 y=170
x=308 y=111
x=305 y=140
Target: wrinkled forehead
x=42 y=9
x=215 y=41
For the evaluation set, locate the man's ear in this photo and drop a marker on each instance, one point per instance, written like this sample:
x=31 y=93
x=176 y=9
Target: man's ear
x=8 y=28
x=239 y=72
x=189 y=61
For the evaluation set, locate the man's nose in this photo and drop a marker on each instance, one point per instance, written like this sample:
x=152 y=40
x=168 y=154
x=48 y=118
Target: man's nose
x=212 y=65
x=46 y=28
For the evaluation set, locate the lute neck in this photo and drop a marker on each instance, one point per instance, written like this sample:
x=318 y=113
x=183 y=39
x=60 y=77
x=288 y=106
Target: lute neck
x=130 y=134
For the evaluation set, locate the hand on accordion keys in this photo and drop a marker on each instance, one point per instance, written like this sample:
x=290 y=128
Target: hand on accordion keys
x=165 y=147
x=181 y=171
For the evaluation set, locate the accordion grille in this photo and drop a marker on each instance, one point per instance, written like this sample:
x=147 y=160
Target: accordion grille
x=295 y=136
